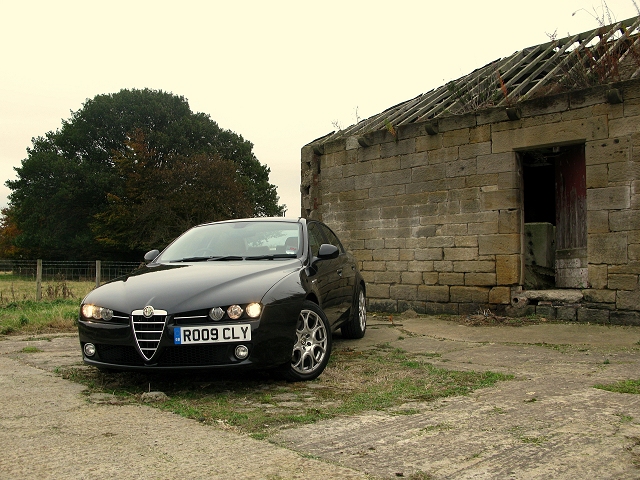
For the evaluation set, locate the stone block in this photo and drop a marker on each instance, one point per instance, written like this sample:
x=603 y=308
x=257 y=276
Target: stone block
x=455 y=253
x=411 y=278
x=500 y=244
x=429 y=254
x=598 y=221
x=428 y=142
x=508 y=269
x=479 y=279
x=597 y=176
x=609 y=198
x=402 y=147
x=474 y=266
x=430 y=278
x=496 y=163
x=551 y=134
x=443 y=155
x=378 y=305
x=472 y=150
x=480 y=134
x=598 y=277
x=450 y=278
x=441 y=241
x=500 y=295
x=428 y=173
x=622 y=172
x=377 y=290
x=466 y=294
x=599 y=296
x=626 y=300
x=509 y=221
x=433 y=293
x=566 y=313
x=623 y=220
x=461 y=168
x=443 y=266
x=607 y=151
x=623 y=282
x=403 y=292
x=546 y=311
x=500 y=199
x=625 y=318
x=607 y=248
x=593 y=315
x=621 y=127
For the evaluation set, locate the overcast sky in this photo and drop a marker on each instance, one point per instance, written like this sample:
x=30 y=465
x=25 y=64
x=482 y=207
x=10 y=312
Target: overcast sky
x=279 y=73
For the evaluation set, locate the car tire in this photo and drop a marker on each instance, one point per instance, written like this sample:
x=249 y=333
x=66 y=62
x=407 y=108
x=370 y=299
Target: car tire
x=356 y=326
x=312 y=346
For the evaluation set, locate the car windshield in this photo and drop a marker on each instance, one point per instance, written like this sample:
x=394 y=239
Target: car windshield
x=233 y=241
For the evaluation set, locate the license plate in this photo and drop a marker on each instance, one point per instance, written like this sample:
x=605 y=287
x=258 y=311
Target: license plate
x=211 y=334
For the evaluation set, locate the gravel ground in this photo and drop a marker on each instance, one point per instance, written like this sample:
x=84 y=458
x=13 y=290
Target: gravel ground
x=549 y=422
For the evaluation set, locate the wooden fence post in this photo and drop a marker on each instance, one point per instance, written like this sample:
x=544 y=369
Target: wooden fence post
x=39 y=281
x=98 y=272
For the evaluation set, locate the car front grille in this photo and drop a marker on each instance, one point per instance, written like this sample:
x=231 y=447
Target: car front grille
x=148 y=331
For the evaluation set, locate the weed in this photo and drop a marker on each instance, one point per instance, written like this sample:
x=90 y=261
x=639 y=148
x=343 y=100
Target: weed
x=624 y=386
x=381 y=378
x=30 y=350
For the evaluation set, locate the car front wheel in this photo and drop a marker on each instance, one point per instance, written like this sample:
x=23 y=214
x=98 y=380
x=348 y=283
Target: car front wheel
x=357 y=323
x=312 y=347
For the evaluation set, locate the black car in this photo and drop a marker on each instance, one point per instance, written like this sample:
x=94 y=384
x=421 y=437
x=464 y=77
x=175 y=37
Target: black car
x=259 y=293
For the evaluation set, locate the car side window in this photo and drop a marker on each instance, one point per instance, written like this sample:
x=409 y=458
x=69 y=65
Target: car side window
x=331 y=238
x=315 y=238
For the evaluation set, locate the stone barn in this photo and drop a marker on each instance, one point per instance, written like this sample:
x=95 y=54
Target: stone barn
x=514 y=189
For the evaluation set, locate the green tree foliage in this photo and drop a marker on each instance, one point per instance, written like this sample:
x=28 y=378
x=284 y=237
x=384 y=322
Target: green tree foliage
x=75 y=182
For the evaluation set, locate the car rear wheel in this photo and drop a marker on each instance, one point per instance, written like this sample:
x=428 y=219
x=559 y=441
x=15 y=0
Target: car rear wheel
x=312 y=347
x=357 y=323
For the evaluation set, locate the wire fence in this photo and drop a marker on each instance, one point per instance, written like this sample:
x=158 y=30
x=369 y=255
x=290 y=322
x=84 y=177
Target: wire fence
x=53 y=270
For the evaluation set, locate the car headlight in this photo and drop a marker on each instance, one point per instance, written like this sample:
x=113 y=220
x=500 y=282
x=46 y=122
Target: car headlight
x=234 y=312
x=97 y=313
x=254 y=310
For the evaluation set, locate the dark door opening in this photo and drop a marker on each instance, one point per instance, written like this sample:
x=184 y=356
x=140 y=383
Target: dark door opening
x=555 y=217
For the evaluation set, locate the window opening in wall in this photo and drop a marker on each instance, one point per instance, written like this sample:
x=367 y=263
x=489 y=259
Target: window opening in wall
x=555 y=217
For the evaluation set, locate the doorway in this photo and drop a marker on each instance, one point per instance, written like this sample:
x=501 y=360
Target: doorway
x=555 y=217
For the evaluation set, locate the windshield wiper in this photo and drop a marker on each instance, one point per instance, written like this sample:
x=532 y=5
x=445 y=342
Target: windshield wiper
x=210 y=259
x=226 y=257
x=271 y=257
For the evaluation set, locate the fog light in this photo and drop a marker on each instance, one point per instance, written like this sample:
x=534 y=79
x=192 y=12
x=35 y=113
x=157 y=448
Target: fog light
x=89 y=349
x=234 y=312
x=242 y=352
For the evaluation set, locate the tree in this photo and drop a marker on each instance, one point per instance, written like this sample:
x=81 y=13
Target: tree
x=162 y=199
x=70 y=177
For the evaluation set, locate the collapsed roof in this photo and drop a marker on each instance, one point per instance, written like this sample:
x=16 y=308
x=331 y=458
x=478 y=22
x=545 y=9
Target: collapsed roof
x=604 y=55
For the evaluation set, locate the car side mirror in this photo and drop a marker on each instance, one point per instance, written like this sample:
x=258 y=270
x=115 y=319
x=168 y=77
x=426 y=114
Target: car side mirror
x=327 y=252
x=151 y=255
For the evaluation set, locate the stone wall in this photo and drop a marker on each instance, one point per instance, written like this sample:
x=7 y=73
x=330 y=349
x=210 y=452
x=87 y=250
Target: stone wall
x=436 y=221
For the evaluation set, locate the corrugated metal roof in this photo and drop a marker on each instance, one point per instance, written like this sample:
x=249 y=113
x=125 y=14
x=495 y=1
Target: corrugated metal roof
x=607 y=54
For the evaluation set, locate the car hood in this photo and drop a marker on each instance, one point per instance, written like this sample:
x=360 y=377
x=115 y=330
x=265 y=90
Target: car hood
x=179 y=287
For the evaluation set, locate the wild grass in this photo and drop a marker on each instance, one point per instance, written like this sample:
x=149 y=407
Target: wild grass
x=56 y=312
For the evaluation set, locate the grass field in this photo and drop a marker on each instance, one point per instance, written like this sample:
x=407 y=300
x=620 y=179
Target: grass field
x=56 y=312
